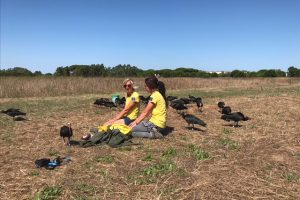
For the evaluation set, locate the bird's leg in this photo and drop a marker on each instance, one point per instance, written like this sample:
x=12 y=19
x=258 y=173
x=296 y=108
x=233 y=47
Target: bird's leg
x=68 y=142
x=193 y=127
x=235 y=124
x=64 y=141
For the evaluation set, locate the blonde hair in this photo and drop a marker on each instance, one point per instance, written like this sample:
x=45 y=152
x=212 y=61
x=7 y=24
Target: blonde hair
x=131 y=82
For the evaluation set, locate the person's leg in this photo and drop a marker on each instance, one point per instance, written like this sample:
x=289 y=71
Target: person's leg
x=127 y=121
x=119 y=121
x=141 y=130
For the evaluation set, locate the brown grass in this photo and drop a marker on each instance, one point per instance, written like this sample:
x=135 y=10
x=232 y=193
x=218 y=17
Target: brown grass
x=259 y=160
x=12 y=87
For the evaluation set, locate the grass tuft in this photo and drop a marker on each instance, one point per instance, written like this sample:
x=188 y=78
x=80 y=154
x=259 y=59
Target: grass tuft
x=198 y=153
x=230 y=144
x=170 y=152
x=49 y=193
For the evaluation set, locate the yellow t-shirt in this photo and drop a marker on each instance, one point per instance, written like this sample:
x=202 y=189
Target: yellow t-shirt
x=134 y=112
x=159 y=112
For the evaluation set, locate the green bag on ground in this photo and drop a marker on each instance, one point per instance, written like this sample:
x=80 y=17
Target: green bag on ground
x=113 y=138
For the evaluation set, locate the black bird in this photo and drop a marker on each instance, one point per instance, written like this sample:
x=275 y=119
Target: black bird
x=221 y=104
x=186 y=100
x=13 y=112
x=177 y=101
x=235 y=117
x=171 y=98
x=178 y=106
x=109 y=104
x=191 y=119
x=226 y=110
x=101 y=101
x=192 y=98
x=120 y=102
x=199 y=103
x=145 y=100
x=66 y=132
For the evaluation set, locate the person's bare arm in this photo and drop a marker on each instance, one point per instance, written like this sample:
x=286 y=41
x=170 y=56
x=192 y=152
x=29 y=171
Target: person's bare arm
x=147 y=111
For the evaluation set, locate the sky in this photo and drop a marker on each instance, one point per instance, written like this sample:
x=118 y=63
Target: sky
x=211 y=35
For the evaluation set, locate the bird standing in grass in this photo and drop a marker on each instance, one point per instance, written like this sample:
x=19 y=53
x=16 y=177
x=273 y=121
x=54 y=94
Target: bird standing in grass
x=235 y=117
x=199 y=103
x=191 y=119
x=66 y=132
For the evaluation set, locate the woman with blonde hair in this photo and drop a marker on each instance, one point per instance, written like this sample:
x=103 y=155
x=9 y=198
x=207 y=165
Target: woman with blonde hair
x=132 y=105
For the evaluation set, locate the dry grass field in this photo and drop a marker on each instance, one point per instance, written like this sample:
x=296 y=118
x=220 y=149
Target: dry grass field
x=259 y=160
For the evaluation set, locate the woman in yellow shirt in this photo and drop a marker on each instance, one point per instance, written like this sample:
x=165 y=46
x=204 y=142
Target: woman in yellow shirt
x=157 y=107
x=132 y=106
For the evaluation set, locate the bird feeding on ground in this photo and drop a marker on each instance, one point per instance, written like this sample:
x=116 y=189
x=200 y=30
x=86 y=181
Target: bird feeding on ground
x=199 y=103
x=226 y=110
x=66 y=132
x=171 y=98
x=191 y=119
x=178 y=105
x=235 y=117
x=13 y=112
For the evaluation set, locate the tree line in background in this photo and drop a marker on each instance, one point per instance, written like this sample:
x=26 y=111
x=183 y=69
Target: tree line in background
x=99 y=70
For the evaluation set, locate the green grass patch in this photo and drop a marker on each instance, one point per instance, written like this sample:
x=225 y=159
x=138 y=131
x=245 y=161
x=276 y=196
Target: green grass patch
x=105 y=159
x=85 y=188
x=227 y=131
x=152 y=173
x=166 y=191
x=170 y=152
x=198 y=153
x=230 y=144
x=34 y=173
x=49 y=193
x=290 y=176
x=234 y=92
x=53 y=152
x=148 y=158
x=159 y=169
x=103 y=173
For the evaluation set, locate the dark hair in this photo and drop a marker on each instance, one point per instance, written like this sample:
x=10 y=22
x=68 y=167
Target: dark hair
x=154 y=83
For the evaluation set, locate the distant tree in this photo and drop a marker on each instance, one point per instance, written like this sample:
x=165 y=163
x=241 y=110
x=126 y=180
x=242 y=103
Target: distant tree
x=238 y=73
x=17 y=71
x=214 y=74
x=62 y=71
x=293 y=72
x=37 y=73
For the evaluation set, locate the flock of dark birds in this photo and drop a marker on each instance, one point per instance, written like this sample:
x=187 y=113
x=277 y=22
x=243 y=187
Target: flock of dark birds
x=227 y=115
x=179 y=104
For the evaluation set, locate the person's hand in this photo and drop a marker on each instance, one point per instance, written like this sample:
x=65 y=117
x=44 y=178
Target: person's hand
x=133 y=124
x=109 y=122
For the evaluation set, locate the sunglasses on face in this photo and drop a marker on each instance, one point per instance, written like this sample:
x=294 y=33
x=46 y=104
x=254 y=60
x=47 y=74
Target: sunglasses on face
x=127 y=85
